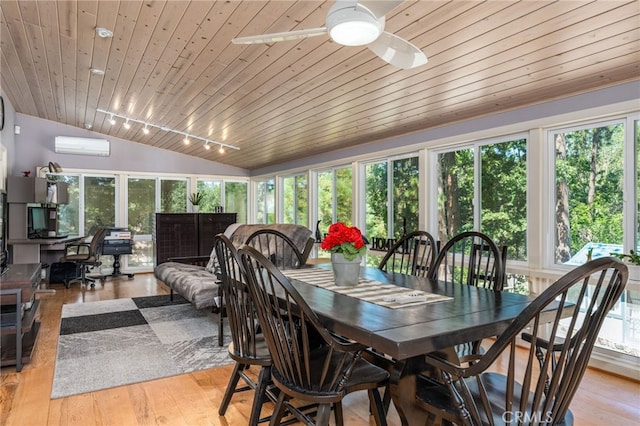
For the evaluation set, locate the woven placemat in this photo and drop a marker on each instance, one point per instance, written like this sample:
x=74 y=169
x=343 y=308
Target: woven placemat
x=387 y=295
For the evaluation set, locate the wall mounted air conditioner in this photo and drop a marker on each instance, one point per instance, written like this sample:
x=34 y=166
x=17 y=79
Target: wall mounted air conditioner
x=82 y=146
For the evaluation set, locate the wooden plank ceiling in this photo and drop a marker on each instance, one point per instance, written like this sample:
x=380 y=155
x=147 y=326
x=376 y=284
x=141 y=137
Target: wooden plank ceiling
x=171 y=63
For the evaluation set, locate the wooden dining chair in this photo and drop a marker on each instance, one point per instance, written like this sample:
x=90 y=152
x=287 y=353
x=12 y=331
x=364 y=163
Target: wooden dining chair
x=277 y=247
x=321 y=374
x=470 y=258
x=413 y=254
x=539 y=384
x=247 y=347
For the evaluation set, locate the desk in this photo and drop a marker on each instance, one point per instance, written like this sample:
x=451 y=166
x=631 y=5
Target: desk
x=407 y=333
x=37 y=250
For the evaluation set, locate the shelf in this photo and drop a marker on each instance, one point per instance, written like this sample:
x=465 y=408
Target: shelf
x=28 y=319
x=29 y=340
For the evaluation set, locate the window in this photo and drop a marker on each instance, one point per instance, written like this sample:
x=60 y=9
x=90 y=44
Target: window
x=68 y=214
x=484 y=187
x=99 y=202
x=141 y=202
x=212 y=194
x=173 y=195
x=394 y=218
x=295 y=200
x=588 y=191
x=265 y=201
x=235 y=199
x=335 y=201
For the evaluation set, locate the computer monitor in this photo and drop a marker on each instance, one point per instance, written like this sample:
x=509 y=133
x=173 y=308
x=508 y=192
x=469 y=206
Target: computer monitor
x=38 y=221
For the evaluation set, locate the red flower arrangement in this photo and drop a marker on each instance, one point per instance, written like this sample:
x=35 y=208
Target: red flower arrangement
x=344 y=239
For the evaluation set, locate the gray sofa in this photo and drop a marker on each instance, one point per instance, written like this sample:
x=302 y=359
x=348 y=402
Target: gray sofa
x=194 y=278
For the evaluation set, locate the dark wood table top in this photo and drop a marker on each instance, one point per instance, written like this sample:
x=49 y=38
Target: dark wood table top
x=473 y=313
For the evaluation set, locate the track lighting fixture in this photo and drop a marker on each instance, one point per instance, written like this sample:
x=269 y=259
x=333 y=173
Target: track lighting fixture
x=147 y=127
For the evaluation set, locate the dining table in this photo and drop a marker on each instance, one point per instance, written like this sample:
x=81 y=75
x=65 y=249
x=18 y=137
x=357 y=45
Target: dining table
x=404 y=317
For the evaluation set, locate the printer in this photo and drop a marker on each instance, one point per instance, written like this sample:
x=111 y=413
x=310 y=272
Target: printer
x=117 y=241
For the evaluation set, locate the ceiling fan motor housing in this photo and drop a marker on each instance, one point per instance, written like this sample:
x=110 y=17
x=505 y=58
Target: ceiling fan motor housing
x=353 y=24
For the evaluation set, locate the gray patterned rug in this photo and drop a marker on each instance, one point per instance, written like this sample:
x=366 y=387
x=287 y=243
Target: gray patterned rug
x=123 y=341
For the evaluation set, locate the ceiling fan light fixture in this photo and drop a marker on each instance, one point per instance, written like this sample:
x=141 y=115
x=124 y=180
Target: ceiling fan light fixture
x=351 y=26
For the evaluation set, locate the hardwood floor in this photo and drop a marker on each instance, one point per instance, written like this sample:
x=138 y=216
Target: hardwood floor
x=193 y=399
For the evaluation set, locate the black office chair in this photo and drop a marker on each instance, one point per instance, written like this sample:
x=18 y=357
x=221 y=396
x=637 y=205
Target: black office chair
x=413 y=254
x=319 y=374
x=539 y=385
x=248 y=347
x=85 y=256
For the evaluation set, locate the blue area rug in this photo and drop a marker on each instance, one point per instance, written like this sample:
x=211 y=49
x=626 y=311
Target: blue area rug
x=123 y=341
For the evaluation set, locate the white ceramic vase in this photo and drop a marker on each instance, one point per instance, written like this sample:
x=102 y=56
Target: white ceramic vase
x=195 y=209
x=345 y=272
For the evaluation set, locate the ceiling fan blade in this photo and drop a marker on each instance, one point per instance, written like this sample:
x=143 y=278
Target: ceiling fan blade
x=284 y=36
x=397 y=51
x=380 y=8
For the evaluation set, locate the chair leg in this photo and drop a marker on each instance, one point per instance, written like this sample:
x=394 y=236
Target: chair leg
x=338 y=414
x=324 y=413
x=278 y=411
x=259 y=396
x=378 y=410
x=231 y=388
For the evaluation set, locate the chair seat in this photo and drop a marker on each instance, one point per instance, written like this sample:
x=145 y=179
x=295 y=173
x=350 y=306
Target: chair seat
x=434 y=394
x=364 y=376
x=82 y=257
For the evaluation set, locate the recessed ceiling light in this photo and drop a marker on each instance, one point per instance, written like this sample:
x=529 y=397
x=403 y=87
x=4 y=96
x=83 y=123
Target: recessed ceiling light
x=103 y=32
x=96 y=71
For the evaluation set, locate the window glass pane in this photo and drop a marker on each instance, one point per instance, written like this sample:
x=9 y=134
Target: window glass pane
x=376 y=196
x=289 y=199
x=405 y=196
x=173 y=196
x=235 y=199
x=141 y=201
x=504 y=195
x=99 y=202
x=455 y=193
x=302 y=198
x=344 y=198
x=325 y=200
x=295 y=207
x=141 y=207
x=69 y=214
x=265 y=201
x=212 y=195
x=142 y=254
x=588 y=189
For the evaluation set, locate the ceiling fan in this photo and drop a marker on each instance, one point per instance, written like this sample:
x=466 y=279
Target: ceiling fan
x=356 y=23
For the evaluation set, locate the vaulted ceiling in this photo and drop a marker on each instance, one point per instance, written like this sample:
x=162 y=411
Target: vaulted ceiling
x=172 y=64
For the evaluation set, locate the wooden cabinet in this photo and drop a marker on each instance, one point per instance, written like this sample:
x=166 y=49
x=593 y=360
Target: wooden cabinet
x=187 y=234
x=19 y=308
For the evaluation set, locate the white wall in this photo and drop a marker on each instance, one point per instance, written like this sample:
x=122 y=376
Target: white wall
x=34 y=147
